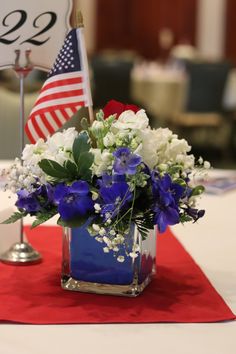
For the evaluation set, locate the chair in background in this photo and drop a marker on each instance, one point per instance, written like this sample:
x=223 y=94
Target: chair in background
x=111 y=80
x=204 y=121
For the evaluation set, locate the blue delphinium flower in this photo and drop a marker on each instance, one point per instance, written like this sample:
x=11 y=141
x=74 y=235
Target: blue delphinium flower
x=27 y=201
x=194 y=213
x=45 y=193
x=73 y=201
x=125 y=161
x=114 y=199
x=40 y=198
x=166 y=197
x=107 y=180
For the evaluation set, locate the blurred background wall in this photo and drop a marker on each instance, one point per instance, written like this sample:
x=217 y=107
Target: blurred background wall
x=207 y=23
x=174 y=58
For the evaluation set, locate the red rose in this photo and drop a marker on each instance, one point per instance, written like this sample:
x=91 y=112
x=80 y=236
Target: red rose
x=115 y=107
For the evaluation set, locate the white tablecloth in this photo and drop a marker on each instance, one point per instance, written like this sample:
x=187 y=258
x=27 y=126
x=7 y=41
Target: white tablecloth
x=212 y=243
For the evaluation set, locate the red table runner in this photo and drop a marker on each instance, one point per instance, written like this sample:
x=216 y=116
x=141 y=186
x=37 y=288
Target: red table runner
x=179 y=293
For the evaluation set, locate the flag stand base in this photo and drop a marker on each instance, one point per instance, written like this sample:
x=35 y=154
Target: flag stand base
x=21 y=253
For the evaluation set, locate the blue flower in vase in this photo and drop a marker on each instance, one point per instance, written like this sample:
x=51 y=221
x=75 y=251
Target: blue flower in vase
x=166 y=197
x=125 y=161
x=108 y=180
x=114 y=199
x=194 y=213
x=73 y=201
x=46 y=194
x=40 y=198
x=28 y=201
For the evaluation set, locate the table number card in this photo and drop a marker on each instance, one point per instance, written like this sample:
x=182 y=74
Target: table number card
x=39 y=25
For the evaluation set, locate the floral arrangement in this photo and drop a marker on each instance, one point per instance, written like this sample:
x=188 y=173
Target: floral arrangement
x=113 y=173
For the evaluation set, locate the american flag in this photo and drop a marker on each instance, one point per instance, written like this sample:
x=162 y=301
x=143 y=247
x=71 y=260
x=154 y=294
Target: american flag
x=64 y=92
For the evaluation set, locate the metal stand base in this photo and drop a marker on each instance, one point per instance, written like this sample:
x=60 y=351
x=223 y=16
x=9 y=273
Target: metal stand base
x=21 y=253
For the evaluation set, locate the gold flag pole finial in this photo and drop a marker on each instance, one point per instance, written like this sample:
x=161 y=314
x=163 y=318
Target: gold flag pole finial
x=79 y=20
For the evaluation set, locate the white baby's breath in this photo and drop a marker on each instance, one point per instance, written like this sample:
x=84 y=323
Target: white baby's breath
x=120 y=259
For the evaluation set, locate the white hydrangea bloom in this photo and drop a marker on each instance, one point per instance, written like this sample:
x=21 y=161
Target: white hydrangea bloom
x=131 y=120
x=102 y=161
x=160 y=147
x=62 y=140
x=33 y=153
x=148 y=148
x=59 y=145
x=176 y=147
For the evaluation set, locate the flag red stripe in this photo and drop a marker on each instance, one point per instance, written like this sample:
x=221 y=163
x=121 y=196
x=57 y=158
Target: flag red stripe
x=59 y=107
x=74 y=110
x=47 y=124
x=58 y=95
x=36 y=127
x=28 y=133
x=65 y=114
x=63 y=82
x=56 y=119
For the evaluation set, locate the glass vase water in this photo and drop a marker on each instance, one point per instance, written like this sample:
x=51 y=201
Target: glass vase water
x=86 y=268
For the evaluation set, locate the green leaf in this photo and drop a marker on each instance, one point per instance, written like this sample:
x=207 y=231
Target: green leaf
x=43 y=217
x=84 y=163
x=181 y=182
x=100 y=115
x=79 y=221
x=185 y=218
x=84 y=123
x=71 y=168
x=197 y=190
x=14 y=217
x=81 y=144
x=53 y=169
x=175 y=169
x=144 y=223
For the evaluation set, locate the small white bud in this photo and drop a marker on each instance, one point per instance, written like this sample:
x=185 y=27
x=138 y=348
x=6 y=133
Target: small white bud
x=94 y=196
x=120 y=259
x=136 y=248
x=207 y=164
x=102 y=231
x=163 y=167
x=200 y=160
x=133 y=255
x=97 y=207
x=99 y=239
x=96 y=227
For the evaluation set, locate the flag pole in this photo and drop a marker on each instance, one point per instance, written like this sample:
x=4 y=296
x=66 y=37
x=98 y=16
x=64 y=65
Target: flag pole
x=80 y=24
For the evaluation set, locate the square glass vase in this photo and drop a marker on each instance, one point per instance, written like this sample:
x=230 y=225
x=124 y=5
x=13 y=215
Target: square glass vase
x=86 y=268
